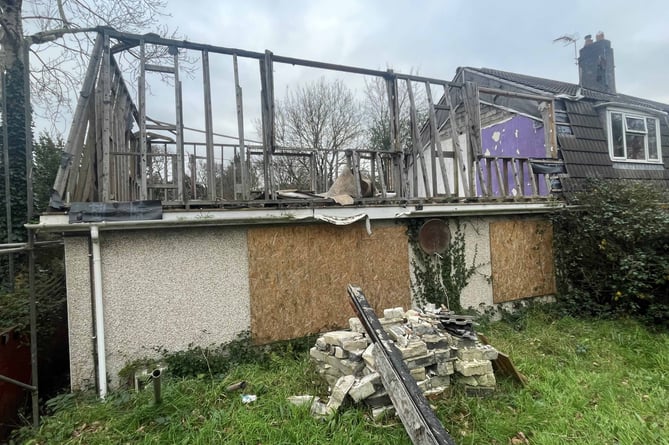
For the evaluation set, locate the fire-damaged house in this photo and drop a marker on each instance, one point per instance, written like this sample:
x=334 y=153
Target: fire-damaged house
x=162 y=253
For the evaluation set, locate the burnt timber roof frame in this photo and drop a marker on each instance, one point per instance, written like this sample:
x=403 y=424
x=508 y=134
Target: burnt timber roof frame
x=104 y=161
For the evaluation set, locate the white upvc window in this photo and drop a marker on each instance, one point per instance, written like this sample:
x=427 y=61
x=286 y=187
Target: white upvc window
x=633 y=136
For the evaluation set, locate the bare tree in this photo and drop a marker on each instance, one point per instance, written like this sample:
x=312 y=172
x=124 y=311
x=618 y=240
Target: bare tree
x=57 y=33
x=377 y=113
x=322 y=117
x=44 y=47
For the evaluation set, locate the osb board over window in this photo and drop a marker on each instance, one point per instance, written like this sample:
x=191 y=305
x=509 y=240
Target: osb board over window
x=298 y=275
x=522 y=259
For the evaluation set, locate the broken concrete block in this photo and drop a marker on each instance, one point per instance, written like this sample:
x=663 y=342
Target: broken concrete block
x=356 y=325
x=364 y=387
x=385 y=322
x=413 y=349
x=421 y=361
x=443 y=381
x=318 y=409
x=368 y=356
x=418 y=373
x=470 y=354
x=445 y=368
x=489 y=353
x=468 y=380
x=412 y=314
x=486 y=379
x=435 y=392
x=399 y=335
x=354 y=345
x=339 y=392
x=422 y=328
x=396 y=312
x=317 y=354
x=344 y=366
x=476 y=367
x=336 y=338
x=437 y=341
x=321 y=345
x=378 y=413
x=442 y=354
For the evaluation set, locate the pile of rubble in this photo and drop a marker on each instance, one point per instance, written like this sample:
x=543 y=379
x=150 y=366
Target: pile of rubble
x=438 y=349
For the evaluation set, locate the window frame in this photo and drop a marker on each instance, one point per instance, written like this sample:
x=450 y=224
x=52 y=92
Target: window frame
x=633 y=114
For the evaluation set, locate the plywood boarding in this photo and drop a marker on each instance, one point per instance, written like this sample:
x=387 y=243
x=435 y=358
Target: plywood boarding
x=522 y=259
x=298 y=275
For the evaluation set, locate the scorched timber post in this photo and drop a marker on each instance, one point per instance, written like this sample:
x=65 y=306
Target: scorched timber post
x=413 y=409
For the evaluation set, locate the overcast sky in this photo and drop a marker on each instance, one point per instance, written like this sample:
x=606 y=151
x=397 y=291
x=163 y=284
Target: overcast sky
x=435 y=37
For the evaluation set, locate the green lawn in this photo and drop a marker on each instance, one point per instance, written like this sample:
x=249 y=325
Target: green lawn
x=590 y=382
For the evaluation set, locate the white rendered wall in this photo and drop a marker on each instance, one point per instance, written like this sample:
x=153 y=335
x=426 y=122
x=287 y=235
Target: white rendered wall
x=162 y=289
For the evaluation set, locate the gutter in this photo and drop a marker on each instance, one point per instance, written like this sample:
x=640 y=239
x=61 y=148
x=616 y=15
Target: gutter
x=99 y=312
x=205 y=218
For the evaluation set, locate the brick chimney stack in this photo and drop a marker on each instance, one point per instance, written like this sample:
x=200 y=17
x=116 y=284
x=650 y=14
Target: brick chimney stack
x=595 y=63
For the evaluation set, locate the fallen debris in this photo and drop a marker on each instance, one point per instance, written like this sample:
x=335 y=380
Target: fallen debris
x=420 y=422
x=438 y=349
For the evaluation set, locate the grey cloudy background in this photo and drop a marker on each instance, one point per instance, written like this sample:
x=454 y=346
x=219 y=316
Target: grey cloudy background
x=435 y=37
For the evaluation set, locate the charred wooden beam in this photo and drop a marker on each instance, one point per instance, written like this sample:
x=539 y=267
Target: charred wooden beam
x=419 y=420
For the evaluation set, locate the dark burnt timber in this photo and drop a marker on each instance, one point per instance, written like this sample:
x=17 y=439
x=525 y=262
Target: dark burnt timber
x=419 y=420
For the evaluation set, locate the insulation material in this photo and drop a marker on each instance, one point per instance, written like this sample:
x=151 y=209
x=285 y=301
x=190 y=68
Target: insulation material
x=298 y=275
x=522 y=259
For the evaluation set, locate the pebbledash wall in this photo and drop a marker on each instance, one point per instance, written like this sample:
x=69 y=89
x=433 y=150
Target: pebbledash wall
x=167 y=285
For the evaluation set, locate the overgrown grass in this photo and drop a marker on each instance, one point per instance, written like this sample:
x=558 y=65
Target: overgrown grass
x=590 y=382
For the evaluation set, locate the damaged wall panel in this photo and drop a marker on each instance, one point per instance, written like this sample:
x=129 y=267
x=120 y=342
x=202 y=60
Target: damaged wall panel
x=298 y=275
x=522 y=259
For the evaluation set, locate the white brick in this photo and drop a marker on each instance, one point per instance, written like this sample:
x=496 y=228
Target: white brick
x=396 y=312
x=418 y=374
x=445 y=368
x=470 y=354
x=364 y=387
x=368 y=356
x=356 y=325
x=414 y=349
x=339 y=392
x=476 y=367
x=354 y=345
x=336 y=338
x=486 y=379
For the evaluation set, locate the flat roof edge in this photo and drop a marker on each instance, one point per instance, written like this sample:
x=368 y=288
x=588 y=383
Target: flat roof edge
x=336 y=215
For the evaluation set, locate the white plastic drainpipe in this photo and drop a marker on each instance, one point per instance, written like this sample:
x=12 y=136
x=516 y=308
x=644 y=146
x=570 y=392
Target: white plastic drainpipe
x=99 y=312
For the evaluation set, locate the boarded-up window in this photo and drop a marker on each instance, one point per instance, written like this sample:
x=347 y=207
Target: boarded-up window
x=522 y=259
x=298 y=275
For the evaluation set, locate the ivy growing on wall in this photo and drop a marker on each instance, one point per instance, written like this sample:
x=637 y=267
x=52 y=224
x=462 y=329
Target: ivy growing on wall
x=440 y=278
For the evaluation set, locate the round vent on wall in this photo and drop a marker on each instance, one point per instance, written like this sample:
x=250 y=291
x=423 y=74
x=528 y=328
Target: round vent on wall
x=434 y=236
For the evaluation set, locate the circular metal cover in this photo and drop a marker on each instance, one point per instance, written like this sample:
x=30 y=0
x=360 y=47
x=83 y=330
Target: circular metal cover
x=434 y=236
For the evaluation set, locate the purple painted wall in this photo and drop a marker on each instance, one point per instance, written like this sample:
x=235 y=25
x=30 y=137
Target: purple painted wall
x=519 y=136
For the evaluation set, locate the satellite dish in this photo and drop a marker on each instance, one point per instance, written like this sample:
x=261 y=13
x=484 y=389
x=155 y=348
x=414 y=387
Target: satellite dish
x=434 y=236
